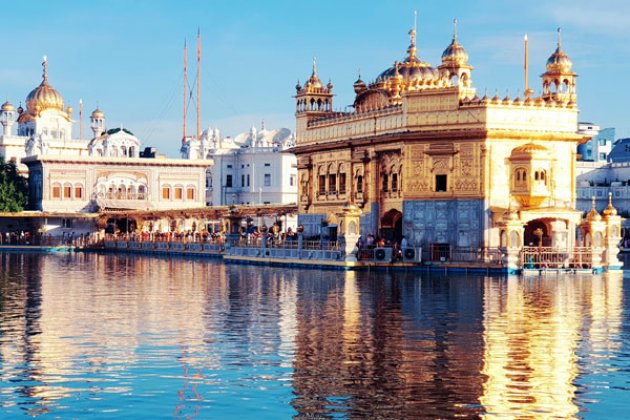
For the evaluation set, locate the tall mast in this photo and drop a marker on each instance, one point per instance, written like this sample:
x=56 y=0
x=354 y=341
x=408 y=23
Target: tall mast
x=198 y=83
x=185 y=87
x=526 y=69
x=80 y=119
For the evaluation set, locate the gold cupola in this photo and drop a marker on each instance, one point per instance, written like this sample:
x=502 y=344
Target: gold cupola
x=411 y=71
x=559 y=81
x=593 y=215
x=530 y=169
x=610 y=210
x=455 y=54
x=455 y=65
x=41 y=98
x=7 y=107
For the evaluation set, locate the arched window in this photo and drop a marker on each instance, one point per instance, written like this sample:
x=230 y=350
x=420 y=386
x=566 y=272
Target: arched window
x=178 y=193
x=78 y=191
x=394 y=182
x=166 y=192
x=190 y=192
x=360 y=184
x=385 y=182
x=67 y=191
x=141 y=192
x=56 y=191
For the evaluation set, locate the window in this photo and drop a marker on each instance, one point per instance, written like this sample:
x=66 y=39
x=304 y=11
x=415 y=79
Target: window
x=360 y=184
x=332 y=183
x=394 y=182
x=66 y=223
x=67 y=191
x=56 y=191
x=179 y=193
x=342 y=183
x=385 y=182
x=602 y=156
x=228 y=181
x=440 y=183
x=248 y=180
x=267 y=164
x=166 y=193
x=229 y=166
x=267 y=180
x=322 y=184
x=190 y=193
x=292 y=180
x=242 y=180
x=141 y=192
x=78 y=192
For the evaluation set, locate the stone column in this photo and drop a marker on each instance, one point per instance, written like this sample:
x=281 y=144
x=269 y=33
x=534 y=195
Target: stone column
x=349 y=231
x=612 y=238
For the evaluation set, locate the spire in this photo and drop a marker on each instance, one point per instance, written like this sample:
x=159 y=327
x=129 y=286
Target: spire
x=559 y=38
x=185 y=89
x=314 y=75
x=45 y=74
x=412 y=38
x=198 y=83
x=455 y=31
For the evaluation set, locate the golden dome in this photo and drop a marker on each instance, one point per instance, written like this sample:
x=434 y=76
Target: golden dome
x=44 y=96
x=314 y=81
x=593 y=215
x=610 y=210
x=7 y=107
x=411 y=69
x=559 y=61
x=455 y=53
x=97 y=113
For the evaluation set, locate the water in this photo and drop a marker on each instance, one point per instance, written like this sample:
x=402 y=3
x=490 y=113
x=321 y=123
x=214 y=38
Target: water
x=103 y=336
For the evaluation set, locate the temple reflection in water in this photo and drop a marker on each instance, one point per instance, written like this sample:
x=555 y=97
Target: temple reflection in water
x=193 y=338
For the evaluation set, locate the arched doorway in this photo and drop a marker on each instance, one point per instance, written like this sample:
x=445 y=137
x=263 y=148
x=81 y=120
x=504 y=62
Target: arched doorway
x=391 y=226
x=537 y=234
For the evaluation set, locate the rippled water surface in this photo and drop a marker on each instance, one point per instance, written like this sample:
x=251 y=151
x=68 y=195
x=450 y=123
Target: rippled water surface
x=102 y=336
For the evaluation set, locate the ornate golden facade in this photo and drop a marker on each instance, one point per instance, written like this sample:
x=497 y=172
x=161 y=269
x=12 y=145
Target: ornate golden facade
x=423 y=155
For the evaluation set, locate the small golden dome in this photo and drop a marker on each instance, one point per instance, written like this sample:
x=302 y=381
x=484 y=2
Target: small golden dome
x=455 y=53
x=559 y=61
x=97 y=113
x=610 y=210
x=7 y=107
x=593 y=215
x=313 y=81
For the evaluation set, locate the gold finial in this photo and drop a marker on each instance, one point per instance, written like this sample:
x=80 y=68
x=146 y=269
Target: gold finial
x=314 y=67
x=412 y=38
x=593 y=201
x=559 y=38
x=455 y=31
x=45 y=65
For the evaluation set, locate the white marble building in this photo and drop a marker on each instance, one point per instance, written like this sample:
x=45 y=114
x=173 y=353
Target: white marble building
x=253 y=168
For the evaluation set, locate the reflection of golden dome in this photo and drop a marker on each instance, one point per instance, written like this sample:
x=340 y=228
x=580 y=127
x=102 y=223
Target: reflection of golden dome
x=7 y=107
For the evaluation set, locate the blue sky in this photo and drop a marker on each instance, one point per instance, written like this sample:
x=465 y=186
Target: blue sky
x=126 y=56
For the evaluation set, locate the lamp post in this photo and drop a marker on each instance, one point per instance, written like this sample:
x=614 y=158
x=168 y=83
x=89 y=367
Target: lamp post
x=539 y=233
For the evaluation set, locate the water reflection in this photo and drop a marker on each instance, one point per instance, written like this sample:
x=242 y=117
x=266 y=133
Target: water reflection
x=536 y=333
x=120 y=336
